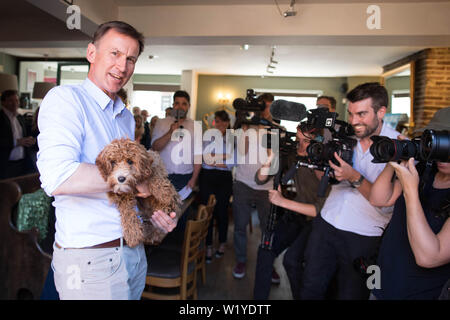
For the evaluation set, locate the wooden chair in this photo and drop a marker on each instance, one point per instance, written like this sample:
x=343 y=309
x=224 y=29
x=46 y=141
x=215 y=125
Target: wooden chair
x=170 y=269
x=204 y=212
x=23 y=263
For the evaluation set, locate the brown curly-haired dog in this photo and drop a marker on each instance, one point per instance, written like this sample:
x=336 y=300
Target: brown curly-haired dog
x=124 y=164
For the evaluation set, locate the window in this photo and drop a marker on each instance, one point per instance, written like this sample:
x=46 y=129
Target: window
x=153 y=98
x=401 y=102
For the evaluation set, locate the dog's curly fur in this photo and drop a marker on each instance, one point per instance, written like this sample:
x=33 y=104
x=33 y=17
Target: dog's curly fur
x=124 y=164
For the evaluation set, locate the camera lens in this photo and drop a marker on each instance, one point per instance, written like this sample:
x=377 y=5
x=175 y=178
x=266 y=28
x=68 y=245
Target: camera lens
x=315 y=150
x=384 y=149
x=435 y=145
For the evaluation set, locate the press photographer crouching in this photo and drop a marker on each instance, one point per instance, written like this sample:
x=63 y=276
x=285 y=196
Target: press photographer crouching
x=293 y=227
x=348 y=226
x=414 y=257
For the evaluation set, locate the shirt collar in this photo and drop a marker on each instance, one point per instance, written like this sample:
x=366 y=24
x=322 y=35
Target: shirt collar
x=383 y=129
x=102 y=99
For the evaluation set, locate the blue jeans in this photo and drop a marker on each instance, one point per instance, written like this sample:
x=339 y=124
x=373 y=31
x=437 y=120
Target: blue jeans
x=244 y=198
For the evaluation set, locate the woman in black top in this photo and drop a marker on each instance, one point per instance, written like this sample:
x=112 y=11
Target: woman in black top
x=414 y=257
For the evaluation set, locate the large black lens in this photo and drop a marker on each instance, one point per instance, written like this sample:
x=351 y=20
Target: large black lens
x=435 y=145
x=315 y=150
x=384 y=149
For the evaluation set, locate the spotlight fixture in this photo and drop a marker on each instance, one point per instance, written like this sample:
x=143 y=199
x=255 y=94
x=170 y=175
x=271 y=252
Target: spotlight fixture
x=288 y=13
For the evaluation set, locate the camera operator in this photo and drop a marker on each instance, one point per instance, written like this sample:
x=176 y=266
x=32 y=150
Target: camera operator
x=294 y=226
x=247 y=194
x=348 y=226
x=414 y=256
x=326 y=101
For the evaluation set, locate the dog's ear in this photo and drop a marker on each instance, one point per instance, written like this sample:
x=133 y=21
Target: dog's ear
x=103 y=164
x=143 y=161
x=145 y=164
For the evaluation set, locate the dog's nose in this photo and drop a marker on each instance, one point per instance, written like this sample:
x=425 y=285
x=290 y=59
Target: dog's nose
x=121 y=179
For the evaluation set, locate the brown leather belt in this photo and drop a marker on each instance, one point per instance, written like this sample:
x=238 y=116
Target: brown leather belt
x=109 y=244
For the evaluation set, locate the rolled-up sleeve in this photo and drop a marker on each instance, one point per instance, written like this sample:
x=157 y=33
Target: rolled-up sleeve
x=61 y=123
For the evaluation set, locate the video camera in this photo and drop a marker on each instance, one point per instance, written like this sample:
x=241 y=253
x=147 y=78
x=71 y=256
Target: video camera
x=431 y=146
x=249 y=111
x=319 y=153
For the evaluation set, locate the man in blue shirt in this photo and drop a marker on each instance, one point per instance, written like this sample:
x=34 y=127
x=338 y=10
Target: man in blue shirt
x=90 y=260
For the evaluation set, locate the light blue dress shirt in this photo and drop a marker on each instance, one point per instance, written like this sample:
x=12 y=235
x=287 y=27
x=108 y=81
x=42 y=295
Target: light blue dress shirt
x=76 y=122
x=347 y=209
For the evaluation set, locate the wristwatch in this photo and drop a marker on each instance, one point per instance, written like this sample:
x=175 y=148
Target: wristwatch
x=357 y=183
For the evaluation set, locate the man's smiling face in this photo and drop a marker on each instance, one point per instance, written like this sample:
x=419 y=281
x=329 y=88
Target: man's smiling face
x=112 y=61
x=364 y=119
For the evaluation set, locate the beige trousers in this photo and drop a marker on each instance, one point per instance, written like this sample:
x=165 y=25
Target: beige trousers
x=100 y=274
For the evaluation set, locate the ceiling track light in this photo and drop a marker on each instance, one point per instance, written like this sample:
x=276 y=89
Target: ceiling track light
x=270 y=66
x=288 y=13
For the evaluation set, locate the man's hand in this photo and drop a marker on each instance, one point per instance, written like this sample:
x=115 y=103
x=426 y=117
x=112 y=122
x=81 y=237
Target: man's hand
x=26 y=142
x=344 y=171
x=164 y=221
x=191 y=183
x=176 y=125
x=407 y=174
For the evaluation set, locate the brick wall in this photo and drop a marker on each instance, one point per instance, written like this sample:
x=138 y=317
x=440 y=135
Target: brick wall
x=431 y=84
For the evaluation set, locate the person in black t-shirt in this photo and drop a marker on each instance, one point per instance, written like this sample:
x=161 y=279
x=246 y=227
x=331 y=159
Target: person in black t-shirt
x=414 y=257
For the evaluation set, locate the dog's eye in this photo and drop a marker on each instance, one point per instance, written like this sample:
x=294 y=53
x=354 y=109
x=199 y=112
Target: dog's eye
x=113 y=163
x=130 y=162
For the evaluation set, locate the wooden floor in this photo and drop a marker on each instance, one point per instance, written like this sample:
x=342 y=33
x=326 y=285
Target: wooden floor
x=220 y=283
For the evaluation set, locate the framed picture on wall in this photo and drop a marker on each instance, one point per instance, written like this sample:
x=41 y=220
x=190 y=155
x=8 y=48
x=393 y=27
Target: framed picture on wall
x=31 y=79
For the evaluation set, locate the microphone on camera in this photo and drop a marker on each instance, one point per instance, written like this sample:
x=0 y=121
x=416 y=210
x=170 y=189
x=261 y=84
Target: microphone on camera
x=288 y=110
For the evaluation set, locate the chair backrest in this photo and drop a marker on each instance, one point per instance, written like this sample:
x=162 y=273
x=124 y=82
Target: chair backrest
x=192 y=240
x=23 y=264
x=207 y=211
